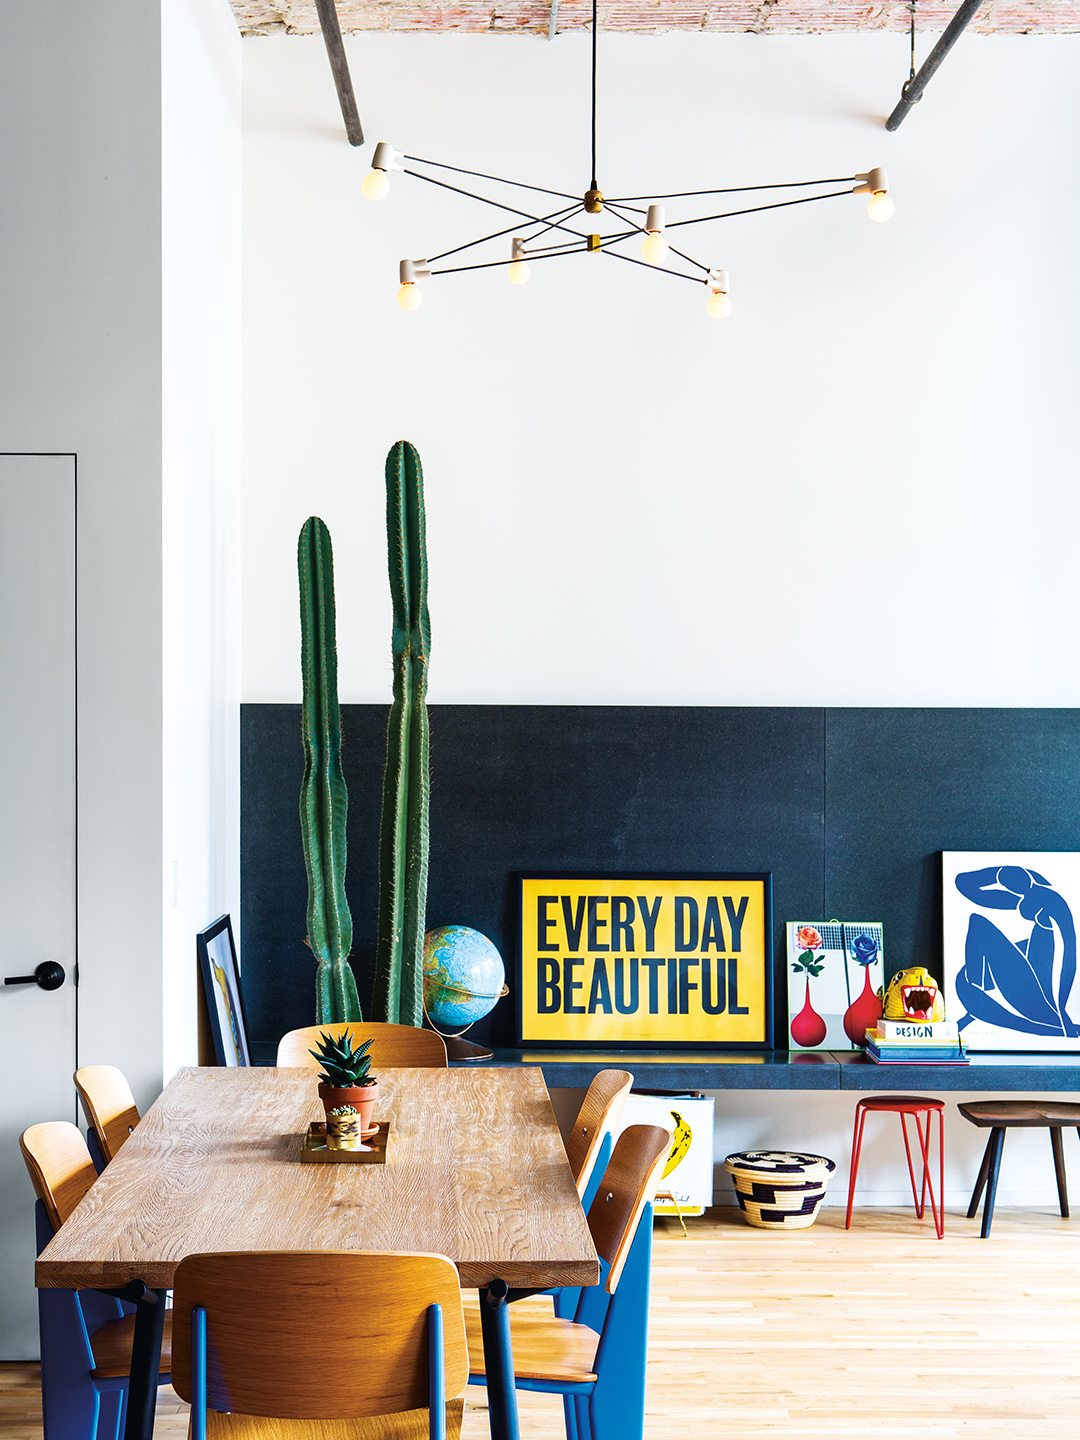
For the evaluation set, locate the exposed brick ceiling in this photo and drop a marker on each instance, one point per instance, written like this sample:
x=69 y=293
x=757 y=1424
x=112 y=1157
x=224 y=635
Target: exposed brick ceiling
x=299 y=17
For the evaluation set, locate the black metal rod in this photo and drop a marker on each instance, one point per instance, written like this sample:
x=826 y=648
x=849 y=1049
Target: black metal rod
x=510 y=209
x=735 y=189
x=479 y=175
x=593 y=184
x=913 y=89
x=339 y=64
x=564 y=214
x=755 y=209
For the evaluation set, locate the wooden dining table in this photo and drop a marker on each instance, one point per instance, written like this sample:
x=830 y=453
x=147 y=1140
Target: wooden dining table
x=475 y=1170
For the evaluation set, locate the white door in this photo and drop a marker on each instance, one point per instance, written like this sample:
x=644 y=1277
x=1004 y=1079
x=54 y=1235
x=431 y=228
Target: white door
x=37 y=847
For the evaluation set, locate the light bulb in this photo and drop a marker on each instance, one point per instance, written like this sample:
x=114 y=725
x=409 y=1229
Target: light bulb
x=654 y=247
x=881 y=207
x=375 y=185
x=410 y=296
x=719 y=306
x=518 y=272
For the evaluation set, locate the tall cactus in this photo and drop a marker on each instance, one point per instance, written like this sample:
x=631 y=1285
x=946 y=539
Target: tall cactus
x=324 y=801
x=403 y=840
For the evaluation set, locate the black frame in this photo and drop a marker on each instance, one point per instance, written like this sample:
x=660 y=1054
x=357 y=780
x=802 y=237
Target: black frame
x=645 y=1046
x=202 y=941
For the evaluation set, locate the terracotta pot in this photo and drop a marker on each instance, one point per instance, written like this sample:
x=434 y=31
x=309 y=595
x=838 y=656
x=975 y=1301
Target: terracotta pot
x=362 y=1096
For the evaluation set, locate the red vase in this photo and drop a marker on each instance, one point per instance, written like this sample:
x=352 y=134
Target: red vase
x=808 y=1028
x=862 y=1013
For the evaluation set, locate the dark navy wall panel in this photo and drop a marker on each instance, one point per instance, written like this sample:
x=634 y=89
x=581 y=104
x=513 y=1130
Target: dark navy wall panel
x=904 y=784
x=847 y=808
x=520 y=787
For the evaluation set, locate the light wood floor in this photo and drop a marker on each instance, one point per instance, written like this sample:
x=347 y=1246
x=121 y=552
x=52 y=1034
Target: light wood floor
x=883 y=1331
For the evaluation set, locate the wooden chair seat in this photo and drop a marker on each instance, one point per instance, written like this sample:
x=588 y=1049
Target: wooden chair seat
x=112 y=1348
x=544 y=1349
x=1033 y=1114
x=406 y=1425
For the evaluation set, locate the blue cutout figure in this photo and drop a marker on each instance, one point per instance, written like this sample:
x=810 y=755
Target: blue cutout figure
x=1021 y=971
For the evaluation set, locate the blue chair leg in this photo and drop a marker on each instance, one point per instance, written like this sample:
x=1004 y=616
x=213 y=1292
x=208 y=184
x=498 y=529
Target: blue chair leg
x=569 y=1403
x=70 y=1402
x=436 y=1375
x=617 y=1404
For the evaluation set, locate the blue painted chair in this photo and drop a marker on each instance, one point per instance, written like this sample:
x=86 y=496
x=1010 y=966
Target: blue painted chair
x=596 y=1361
x=588 y=1148
x=373 y=1339
x=110 y=1110
x=86 y=1336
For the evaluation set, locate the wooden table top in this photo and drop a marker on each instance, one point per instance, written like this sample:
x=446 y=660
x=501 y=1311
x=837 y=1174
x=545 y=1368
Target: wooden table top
x=478 y=1172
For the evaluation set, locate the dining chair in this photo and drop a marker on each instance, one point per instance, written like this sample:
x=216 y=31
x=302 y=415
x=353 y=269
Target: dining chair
x=596 y=1361
x=588 y=1144
x=86 y=1336
x=110 y=1110
x=404 y=1046
x=373 y=1341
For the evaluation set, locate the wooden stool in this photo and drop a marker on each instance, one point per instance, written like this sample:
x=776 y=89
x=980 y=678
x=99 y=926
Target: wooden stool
x=999 y=1116
x=905 y=1105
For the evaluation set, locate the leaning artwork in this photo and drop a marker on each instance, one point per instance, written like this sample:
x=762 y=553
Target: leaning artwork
x=1010 y=948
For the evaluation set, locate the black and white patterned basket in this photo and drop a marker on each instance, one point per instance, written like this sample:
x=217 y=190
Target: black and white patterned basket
x=779 y=1189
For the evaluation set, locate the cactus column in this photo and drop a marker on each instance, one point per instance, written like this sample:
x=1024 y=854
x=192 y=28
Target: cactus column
x=324 y=801
x=403 y=841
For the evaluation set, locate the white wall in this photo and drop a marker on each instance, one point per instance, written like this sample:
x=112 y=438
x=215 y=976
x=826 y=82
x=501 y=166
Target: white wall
x=858 y=490
x=80 y=371
x=200 y=51
x=120 y=345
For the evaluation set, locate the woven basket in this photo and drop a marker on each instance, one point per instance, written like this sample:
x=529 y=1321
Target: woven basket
x=779 y=1189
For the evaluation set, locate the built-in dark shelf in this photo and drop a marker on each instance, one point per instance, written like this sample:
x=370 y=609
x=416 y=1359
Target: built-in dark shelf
x=783 y=1070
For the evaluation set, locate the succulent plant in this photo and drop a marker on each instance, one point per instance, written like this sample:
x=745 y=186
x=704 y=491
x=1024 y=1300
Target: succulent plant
x=342 y=1112
x=343 y=1066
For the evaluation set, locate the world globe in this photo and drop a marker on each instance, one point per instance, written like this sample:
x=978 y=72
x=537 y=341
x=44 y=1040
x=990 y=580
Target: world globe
x=463 y=977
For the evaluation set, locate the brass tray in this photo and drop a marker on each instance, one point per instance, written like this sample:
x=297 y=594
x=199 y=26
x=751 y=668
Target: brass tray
x=316 y=1152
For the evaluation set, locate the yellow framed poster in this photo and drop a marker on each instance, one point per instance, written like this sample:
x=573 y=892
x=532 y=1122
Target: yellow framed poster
x=655 y=961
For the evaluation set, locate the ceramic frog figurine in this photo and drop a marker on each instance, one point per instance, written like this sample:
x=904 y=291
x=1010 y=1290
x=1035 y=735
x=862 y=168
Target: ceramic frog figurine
x=913 y=994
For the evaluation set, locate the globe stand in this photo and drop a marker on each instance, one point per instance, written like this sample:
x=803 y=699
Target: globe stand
x=459 y=1049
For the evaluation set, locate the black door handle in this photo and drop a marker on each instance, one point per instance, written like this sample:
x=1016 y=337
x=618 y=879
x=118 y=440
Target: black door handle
x=49 y=975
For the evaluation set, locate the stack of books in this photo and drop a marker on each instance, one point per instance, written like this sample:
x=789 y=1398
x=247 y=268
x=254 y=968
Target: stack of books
x=915 y=1042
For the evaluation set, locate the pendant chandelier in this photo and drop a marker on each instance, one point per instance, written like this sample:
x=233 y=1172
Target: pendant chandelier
x=627 y=219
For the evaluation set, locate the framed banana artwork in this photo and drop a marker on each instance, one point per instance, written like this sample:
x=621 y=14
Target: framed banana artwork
x=687 y=1184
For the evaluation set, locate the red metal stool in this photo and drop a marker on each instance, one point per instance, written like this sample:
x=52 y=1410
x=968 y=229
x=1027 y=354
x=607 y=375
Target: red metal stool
x=905 y=1105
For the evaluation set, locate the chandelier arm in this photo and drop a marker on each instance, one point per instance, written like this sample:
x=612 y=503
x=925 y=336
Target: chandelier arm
x=640 y=230
x=578 y=209
x=479 y=175
x=564 y=214
x=737 y=189
x=615 y=255
x=755 y=209
x=510 y=209
x=493 y=264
